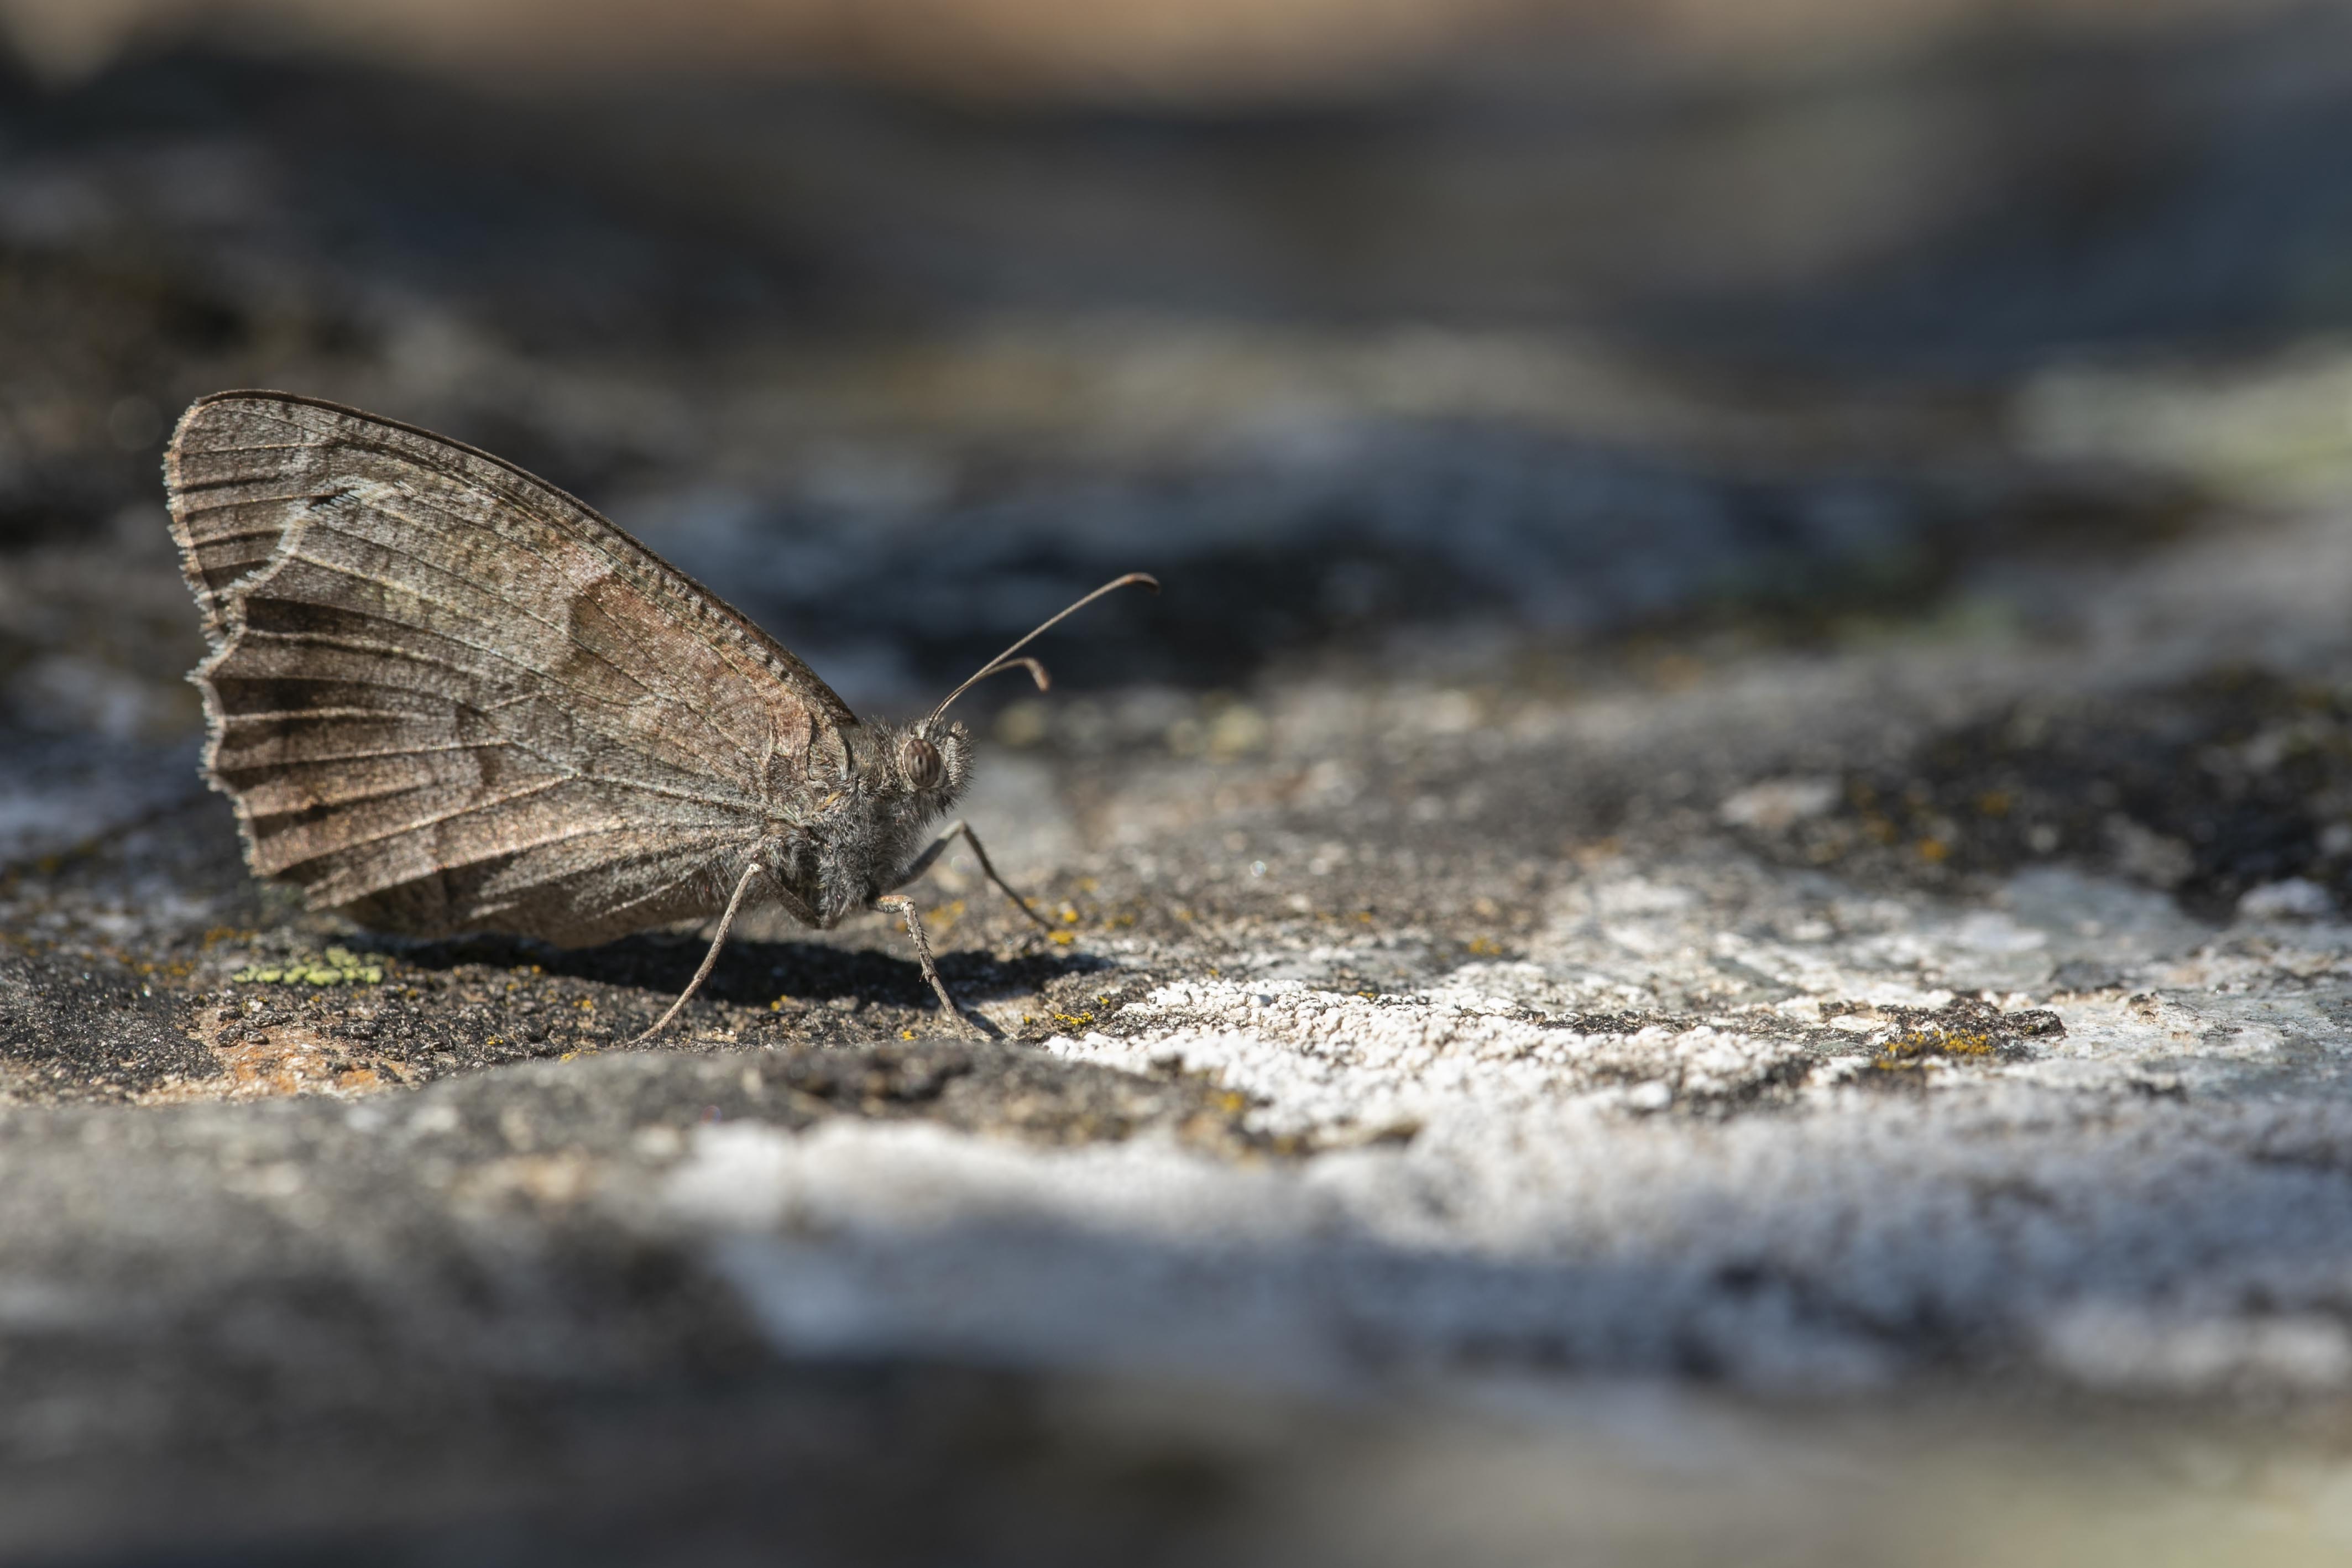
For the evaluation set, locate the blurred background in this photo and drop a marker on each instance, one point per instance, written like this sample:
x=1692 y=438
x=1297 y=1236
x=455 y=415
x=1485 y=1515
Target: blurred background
x=1489 y=337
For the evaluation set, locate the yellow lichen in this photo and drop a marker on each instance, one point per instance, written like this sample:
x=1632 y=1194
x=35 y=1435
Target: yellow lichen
x=1916 y=1048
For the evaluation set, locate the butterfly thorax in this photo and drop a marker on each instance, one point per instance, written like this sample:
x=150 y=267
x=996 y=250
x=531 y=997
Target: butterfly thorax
x=855 y=843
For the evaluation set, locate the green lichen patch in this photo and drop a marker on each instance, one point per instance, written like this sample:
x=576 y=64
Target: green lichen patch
x=337 y=966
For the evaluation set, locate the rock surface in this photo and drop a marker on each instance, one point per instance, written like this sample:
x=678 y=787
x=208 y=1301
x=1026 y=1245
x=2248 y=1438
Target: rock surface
x=1758 y=1044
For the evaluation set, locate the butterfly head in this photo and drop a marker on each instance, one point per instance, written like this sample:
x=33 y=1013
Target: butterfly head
x=934 y=761
x=908 y=780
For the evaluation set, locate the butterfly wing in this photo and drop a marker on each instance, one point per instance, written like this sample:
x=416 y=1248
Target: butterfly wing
x=445 y=696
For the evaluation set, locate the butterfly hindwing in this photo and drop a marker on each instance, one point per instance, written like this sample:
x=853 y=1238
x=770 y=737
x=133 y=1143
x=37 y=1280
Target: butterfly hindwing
x=446 y=695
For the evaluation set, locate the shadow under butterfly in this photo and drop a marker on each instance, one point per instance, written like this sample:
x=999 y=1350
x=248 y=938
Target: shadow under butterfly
x=446 y=697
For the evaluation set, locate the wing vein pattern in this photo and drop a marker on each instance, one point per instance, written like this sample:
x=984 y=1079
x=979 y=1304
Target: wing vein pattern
x=445 y=696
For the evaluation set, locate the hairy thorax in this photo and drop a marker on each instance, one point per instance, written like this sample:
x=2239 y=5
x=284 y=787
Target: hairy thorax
x=832 y=856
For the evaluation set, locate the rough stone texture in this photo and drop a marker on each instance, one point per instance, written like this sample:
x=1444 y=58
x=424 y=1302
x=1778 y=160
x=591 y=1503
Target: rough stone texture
x=1734 y=975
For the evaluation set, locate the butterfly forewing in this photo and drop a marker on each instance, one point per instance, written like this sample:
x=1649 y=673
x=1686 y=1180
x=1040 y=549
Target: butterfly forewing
x=446 y=696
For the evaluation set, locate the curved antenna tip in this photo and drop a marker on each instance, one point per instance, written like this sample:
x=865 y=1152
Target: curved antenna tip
x=1036 y=670
x=1006 y=661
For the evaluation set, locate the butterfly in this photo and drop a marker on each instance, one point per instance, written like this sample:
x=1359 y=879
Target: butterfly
x=444 y=696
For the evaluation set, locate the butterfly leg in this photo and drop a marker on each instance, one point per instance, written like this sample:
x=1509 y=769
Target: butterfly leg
x=904 y=907
x=922 y=863
x=710 y=959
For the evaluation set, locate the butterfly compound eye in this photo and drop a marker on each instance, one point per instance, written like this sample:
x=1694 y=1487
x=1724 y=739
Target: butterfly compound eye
x=920 y=760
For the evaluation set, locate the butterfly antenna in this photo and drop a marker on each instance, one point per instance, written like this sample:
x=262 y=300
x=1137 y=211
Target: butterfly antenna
x=1037 y=672
x=1005 y=661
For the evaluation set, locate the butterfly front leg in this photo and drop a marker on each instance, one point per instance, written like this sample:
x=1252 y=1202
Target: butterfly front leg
x=922 y=863
x=904 y=907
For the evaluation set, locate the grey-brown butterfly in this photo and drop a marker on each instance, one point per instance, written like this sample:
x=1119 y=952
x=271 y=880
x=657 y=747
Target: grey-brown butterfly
x=444 y=696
